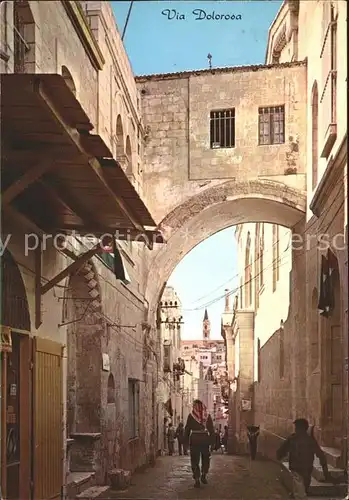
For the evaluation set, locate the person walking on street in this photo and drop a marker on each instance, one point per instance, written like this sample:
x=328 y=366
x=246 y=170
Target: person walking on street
x=217 y=440
x=252 y=434
x=170 y=439
x=199 y=433
x=180 y=439
x=301 y=448
x=225 y=438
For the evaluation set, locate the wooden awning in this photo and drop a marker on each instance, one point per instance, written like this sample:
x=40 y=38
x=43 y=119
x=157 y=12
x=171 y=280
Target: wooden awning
x=55 y=173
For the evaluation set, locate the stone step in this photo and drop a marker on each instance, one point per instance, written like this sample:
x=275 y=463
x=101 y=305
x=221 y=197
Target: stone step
x=317 y=488
x=78 y=482
x=333 y=456
x=327 y=489
x=93 y=492
x=335 y=472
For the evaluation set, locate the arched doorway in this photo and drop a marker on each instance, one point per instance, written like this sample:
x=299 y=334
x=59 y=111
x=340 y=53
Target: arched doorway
x=332 y=364
x=88 y=390
x=314 y=334
x=15 y=376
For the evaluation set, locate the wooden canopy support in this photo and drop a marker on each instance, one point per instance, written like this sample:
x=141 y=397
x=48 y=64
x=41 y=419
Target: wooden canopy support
x=121 y=234
x=40 y=289
x=24 y=221
x=57 y=193
x=74 y=137
x=26 y=180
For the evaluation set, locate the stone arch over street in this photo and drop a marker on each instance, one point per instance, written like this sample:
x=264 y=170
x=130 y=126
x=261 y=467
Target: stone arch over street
x=213 y=210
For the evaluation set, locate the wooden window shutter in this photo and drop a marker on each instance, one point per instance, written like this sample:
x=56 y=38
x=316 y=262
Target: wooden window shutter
x=48 y=419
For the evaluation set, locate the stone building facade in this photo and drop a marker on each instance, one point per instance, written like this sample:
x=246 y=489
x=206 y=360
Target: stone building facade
x=81 y=370
x=239 y=183
x=171 y=367
x=298 y=356
x=80 y=339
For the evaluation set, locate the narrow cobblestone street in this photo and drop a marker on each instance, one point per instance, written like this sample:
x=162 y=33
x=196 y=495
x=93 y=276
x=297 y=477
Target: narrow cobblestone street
x=230 y=477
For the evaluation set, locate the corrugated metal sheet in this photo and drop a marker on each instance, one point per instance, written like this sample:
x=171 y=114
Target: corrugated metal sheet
x=48 y=419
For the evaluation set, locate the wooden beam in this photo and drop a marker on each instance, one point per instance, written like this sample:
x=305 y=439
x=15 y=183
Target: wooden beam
x=74 y=137
x=32 y=175
x=58 y=193
x=22 y=219
x=24 y=154
x=97 y=169
x=121 y=234
x=71 y=269
x=38 y=273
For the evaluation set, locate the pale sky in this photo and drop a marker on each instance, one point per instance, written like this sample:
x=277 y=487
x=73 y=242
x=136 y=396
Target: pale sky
x=156 y=44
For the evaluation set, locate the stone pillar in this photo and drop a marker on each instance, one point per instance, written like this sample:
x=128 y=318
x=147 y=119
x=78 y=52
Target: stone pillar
x=245 y=393
x=230 y=354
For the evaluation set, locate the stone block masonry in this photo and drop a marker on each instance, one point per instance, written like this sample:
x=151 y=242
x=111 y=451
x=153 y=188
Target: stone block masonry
x=176 y=111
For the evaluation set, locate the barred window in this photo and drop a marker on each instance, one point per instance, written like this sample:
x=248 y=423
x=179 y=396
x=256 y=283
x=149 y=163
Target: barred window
x=222 y=129
x=272 y=125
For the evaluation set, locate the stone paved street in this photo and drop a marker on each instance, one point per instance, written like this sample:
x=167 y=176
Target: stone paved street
x=230 y=477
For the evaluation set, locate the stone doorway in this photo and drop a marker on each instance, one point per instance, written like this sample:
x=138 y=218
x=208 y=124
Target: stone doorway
x=16 y=453
x=332 y=370
x=82 y=314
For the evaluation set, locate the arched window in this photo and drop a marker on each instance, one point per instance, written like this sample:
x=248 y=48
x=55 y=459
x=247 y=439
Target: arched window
x=111 y=389
x=314 y=134
x=276 y=256
x=119 y=137
x=68 y=79
x=314 y=332
x=129 y=155
x=24 y=38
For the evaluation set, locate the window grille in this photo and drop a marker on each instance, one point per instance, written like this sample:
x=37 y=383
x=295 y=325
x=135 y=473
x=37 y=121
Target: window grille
x=272 y=125
x=222 y=129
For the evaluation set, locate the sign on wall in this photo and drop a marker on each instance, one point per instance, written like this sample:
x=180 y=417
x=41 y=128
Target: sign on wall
x=246 y=405
x=105 y=362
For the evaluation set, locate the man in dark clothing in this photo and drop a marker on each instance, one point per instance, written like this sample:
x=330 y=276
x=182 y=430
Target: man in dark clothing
x=225 y=438
x=170 y=439
x=252 y=434
x=180 y=439
x=301 y=448
x=199 y=433
x=217 y=440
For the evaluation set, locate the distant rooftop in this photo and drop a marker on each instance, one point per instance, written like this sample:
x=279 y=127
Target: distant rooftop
x=213 y=71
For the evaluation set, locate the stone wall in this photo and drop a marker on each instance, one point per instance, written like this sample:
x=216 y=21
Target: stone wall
x=176 y=111
x=119 y=103
x=106 y=91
